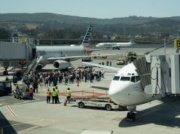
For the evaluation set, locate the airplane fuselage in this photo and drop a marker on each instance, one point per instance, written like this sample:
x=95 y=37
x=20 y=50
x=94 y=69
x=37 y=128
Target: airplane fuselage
x=59 y=51
x=125 y=88
x=114 y=44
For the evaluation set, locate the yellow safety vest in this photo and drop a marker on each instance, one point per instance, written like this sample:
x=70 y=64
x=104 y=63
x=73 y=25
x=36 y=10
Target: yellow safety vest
x=68 y=93
x=54 y=93
x=57 y=91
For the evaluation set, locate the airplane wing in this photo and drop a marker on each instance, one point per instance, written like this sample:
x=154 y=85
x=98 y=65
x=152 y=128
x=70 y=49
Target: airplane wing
x=102 y=66
x=77 y=57
x=69 y=57
x=100 y=55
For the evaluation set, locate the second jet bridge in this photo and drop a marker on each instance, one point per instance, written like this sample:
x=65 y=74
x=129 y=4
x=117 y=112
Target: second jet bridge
x=159 y=74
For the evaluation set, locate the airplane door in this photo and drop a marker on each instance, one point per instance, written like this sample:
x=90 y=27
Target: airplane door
x=34 y=53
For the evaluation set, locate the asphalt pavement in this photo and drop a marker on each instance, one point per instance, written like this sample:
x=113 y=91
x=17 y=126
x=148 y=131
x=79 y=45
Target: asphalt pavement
x=38 y=117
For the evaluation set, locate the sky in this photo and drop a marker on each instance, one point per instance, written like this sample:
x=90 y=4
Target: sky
x=94 y=8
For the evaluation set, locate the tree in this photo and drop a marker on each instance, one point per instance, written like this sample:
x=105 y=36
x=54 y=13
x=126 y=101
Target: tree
x=4 y=34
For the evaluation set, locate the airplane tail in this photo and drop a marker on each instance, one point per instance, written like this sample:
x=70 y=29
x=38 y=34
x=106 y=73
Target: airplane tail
x=86 y=40
x=132 y=41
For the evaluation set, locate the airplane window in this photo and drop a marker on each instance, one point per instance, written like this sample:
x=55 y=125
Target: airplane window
x=133 y=79
x=125 y=78
x=137 y=78
x=116 y=78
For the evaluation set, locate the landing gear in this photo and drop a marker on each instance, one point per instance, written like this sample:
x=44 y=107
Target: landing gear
x=131 y=115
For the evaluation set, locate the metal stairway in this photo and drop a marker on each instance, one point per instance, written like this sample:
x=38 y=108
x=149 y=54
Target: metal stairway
x=32 y=66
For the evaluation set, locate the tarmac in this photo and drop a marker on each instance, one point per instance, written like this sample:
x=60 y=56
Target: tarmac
x=38 y=117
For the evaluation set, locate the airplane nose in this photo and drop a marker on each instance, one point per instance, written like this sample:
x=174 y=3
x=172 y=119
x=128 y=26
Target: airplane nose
x=113 y=92
x=116 y=92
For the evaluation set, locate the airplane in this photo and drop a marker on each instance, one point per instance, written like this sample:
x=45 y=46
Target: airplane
x=61 y=56
x=125 y=88
x=115 y=45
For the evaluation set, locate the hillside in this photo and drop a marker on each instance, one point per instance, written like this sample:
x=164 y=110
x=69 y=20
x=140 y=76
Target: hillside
x=49 y=17
x=51 y=25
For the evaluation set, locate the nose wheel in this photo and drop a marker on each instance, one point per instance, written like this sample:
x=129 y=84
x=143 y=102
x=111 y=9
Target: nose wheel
x=131 y=115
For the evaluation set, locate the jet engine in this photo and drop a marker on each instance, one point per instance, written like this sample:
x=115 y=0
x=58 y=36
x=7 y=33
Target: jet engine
x=60 y=64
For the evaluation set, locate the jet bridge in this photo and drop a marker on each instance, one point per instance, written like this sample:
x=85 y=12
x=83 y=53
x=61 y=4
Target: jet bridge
x=16 y=54
x=160 y=74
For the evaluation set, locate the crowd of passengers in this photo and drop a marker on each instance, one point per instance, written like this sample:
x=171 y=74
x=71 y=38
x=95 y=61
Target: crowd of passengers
x=67 y=77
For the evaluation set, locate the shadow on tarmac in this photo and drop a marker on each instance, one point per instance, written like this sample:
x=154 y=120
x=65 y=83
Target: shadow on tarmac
x=5 y=125
x=12 y=127
x=98 y=87
x=163 y=114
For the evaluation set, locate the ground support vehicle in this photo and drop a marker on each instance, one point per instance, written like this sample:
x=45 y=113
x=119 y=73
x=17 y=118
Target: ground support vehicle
x=128 y=58
x=131 y=56
x=116 y=47
x=121 y=62
x=103 y=102
x=5 y=88
x=21 y=92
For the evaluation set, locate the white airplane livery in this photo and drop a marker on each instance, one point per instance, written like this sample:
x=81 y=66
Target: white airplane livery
x=125 y=88
x=114 y=45
x=60 y=56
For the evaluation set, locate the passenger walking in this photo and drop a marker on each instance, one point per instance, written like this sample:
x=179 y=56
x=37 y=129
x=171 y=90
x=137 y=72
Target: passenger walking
x=31 y=93
x=48 y=96
x=55 y=80
x=46 y=81
x=60 y=77
x=102 y=72
x=15 y=79
x=35 y=86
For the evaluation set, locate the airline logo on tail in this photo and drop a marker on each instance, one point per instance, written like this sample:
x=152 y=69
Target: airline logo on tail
x=86 y=40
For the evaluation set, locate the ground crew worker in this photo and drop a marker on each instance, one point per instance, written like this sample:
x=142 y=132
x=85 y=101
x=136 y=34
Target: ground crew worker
x=110 y=63
x=53 y=96
x=7 y=79
x=57 y=95
x=107 y=63
x=68 y=95
x=48 y=96
x=31 y=93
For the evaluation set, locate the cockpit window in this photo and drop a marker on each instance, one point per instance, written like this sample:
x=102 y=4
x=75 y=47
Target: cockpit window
x=135 y=78
x=116 y=78
x=125 y=78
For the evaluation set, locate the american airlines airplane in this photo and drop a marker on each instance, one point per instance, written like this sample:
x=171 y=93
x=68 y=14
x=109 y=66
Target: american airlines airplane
x=125 y=88
x=114 y=45
x=61 y=56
